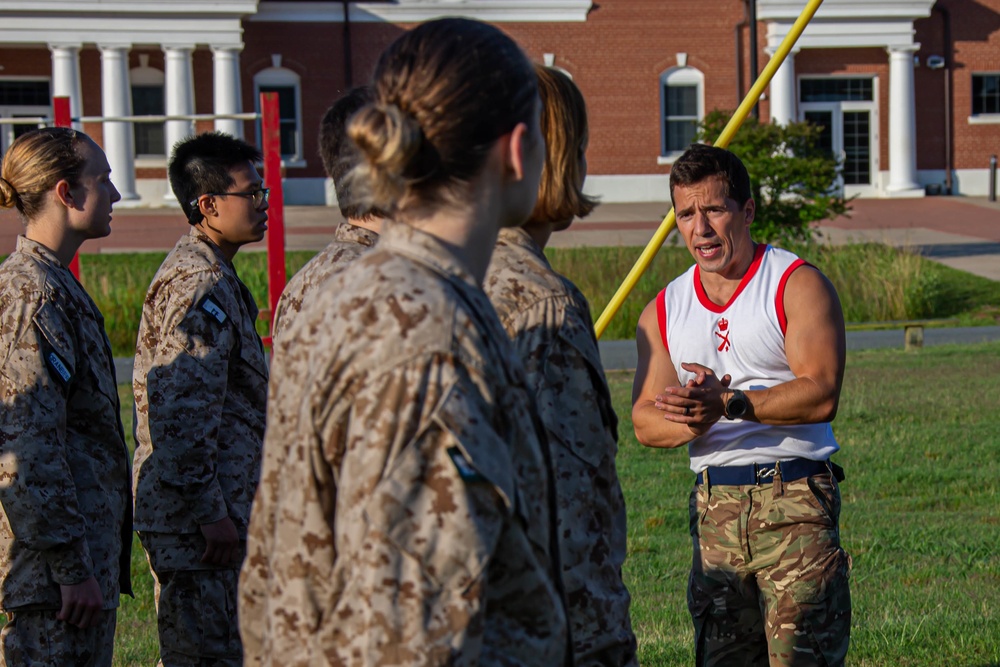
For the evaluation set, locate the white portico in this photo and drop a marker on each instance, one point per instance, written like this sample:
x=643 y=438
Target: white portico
x=114 y=28
x=850 y=108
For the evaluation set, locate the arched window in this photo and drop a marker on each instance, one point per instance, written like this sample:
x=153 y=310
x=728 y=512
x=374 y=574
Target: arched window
x=286 y=84
x=682 y=106
x=147 y=100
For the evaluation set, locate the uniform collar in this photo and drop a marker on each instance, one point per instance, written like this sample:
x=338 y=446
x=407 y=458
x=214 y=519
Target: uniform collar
x=36 y=249
x=426 y=249
x=348 y=233
x=195 y=236
x=520 y=238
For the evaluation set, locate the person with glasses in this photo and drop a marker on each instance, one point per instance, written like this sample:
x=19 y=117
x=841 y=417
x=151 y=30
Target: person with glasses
x=200 y=384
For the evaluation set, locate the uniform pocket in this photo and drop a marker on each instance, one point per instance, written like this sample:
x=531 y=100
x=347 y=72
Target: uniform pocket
x=196 y=615
x=823 y=602
x=826 y=493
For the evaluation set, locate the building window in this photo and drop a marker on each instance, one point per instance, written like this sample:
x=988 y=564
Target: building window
x=147 y=100
x=985 y=94
x=20 y=92
x=285 y=83
x=22 y=98
x=682 y=106
x=836 y=89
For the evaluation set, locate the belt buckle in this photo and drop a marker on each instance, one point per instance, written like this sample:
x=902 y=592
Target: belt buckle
x=765 y=473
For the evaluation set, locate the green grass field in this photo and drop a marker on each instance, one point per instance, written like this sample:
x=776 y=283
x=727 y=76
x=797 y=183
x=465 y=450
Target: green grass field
x=920 y=434
x=875 y=283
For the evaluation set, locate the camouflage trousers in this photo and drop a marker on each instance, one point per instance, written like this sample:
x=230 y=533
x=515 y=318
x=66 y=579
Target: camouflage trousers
x=195 y=607
x=769 y=580
x=39 y=639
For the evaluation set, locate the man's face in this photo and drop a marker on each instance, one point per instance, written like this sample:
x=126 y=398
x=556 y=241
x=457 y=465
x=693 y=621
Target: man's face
x=238 y=221
x=715 y=228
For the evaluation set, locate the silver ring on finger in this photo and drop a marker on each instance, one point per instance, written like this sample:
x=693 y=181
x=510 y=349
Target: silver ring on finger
x=687 y=411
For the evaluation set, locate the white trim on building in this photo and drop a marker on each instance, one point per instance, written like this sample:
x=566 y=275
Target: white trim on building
x=414 y=11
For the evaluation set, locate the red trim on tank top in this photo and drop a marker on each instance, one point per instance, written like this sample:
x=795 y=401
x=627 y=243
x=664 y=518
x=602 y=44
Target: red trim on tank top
x=699 y=289
x=779 y=298
x=661 y=316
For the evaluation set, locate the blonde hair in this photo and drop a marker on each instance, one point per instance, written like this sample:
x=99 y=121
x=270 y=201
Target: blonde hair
x=33 y=165
x=564 y=127
x=444 y=93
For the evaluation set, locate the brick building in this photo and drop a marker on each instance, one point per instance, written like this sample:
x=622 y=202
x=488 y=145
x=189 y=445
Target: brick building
x=908 y=90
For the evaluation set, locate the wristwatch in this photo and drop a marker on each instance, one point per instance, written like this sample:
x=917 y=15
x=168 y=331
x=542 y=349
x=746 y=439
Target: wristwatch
x=737 y=405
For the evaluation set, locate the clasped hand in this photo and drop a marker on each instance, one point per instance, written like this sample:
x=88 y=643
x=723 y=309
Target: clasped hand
x=699 y=403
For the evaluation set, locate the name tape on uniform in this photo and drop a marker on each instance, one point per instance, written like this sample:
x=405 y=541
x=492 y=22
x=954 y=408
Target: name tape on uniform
x=59 y=366
x=214 y=309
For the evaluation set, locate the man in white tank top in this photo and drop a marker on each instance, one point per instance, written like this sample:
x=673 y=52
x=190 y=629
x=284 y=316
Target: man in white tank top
x=742 y=359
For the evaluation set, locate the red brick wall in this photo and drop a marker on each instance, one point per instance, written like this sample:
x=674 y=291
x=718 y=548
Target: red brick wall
x=975 y=29
x=616 y=57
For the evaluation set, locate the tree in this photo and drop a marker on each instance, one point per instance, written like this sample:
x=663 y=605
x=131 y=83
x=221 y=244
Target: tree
x=793 y=180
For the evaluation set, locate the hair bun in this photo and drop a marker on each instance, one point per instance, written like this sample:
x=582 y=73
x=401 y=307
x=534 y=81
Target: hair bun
x=8 y=195
x=390 y=142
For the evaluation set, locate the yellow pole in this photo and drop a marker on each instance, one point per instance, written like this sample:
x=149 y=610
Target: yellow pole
x=646 y=258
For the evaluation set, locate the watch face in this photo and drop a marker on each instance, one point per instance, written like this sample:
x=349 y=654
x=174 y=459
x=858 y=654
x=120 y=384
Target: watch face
x=737 y=405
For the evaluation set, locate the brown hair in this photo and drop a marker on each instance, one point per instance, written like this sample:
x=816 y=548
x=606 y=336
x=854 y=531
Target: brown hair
x=444 y=93
x=339 y=153
x=700 y=162
x=564 y=126
x=35 y=162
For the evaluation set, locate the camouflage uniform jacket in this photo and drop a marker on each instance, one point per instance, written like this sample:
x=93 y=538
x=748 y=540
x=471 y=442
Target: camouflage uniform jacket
x=200 y=384
x=548 y=319
x=64 y=465
x=403 y=514
x=349 y=243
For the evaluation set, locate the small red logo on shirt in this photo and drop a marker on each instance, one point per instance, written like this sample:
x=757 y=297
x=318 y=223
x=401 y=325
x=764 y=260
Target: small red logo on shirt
x=723 y=334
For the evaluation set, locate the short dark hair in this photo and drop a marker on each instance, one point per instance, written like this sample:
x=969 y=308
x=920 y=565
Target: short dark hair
x=700 y=161
x=201 y=164
x=564 y=127
x=338 y=152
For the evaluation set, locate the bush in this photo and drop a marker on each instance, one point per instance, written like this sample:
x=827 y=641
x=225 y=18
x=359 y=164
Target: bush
x=792 y=179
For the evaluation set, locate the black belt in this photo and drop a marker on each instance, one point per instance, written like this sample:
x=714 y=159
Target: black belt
x=763 y=473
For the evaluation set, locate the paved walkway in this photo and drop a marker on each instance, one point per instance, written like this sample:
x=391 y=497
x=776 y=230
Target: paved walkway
x=961 y=232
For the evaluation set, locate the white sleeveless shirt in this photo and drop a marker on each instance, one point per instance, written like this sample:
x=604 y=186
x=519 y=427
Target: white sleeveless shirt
x=746 y=339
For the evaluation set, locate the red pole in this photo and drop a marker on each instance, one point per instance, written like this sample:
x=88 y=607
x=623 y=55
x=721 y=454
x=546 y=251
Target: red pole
x=271 y=139
x=61 y=114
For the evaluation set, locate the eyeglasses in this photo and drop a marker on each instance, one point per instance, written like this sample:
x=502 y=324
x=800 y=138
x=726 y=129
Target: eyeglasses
x=258 y=196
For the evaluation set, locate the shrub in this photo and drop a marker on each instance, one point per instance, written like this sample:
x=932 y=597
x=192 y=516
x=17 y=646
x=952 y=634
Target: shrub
x=793 y=180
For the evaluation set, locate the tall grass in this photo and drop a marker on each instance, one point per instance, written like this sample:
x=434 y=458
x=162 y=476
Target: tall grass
x=876 y=283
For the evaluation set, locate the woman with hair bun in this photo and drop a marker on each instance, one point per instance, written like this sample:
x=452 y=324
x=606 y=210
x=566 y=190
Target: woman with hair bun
x=548 y=319
x=65 y=525
x=404 y=513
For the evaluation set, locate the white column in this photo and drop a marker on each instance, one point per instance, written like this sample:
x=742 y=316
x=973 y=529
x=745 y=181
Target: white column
x=228 y=95
x=902 y=124
x=116 y=100
x=178 y=94
x=783 y=90
x=66 y=77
